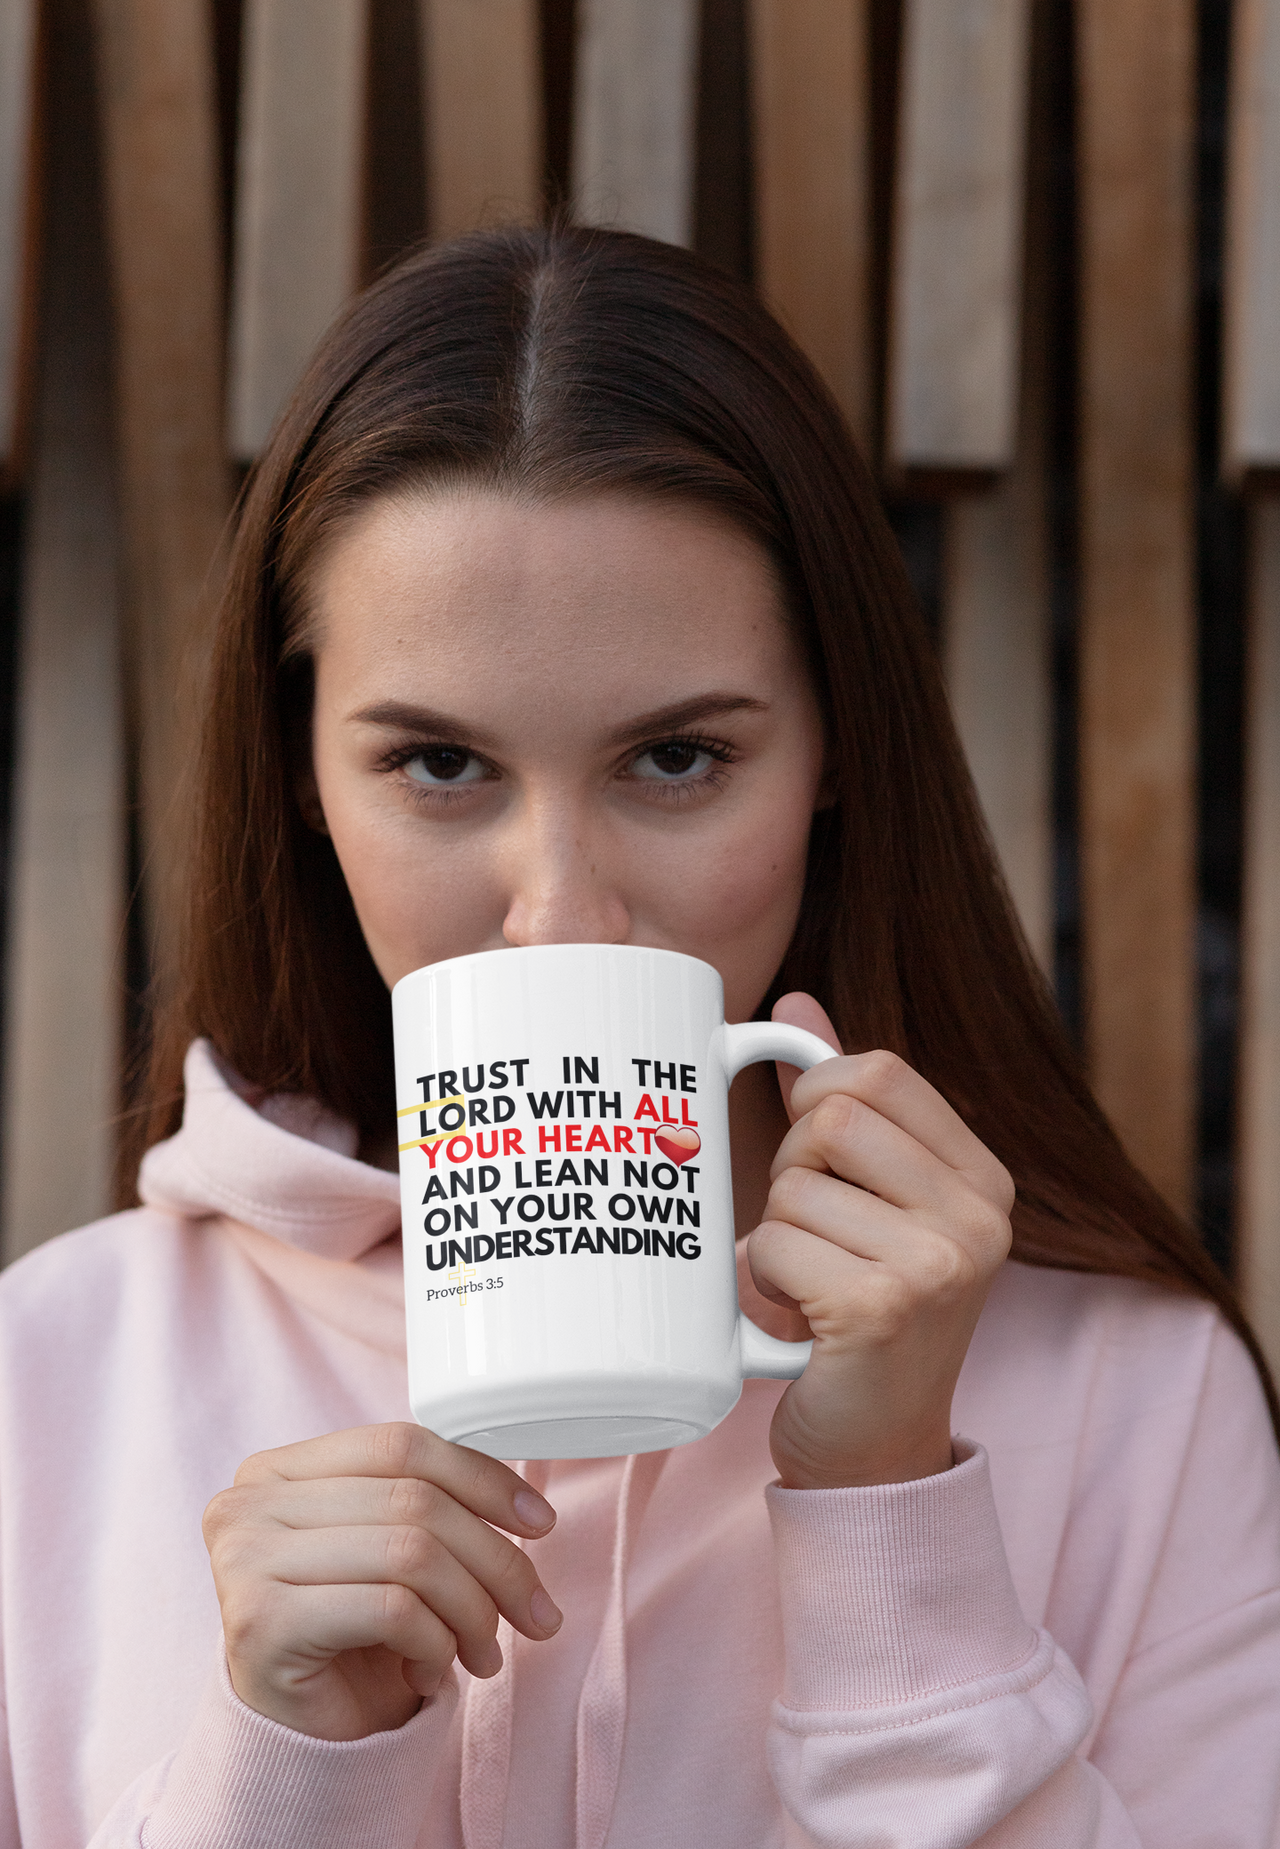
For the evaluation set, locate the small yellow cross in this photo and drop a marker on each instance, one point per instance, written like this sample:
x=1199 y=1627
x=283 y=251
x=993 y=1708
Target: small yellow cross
x=459 y=1275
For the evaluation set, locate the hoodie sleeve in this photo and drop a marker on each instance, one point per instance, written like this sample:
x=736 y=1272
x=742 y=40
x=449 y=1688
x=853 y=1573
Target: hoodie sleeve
x=920 y=1709
x=10 y=1837
x=241 y=1781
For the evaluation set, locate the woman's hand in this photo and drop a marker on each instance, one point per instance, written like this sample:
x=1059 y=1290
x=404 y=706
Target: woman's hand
x=886 y=1222
x=352 y=1569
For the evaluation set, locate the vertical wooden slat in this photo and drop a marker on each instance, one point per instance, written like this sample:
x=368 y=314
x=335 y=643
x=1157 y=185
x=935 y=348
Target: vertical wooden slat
x=17 y=116
x=998 y=667
x=633 y=131
x=157 y=87
x=1136 y=113
x=63 y=977
x=957 y=267
x=997 y=643
x=1251 y=448
x=297 y=247
x=483 y=112
x=1251 y=349
x=810 y=88
x=1259 y=1107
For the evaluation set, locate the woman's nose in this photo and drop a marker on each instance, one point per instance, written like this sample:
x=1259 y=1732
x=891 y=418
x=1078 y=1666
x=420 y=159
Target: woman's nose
x=560 y=893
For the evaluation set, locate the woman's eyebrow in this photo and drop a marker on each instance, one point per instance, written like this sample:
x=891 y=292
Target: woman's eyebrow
x=400 y=716
x=686 y=712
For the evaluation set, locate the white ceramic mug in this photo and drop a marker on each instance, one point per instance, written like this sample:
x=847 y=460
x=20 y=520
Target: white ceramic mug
x=570 y=1282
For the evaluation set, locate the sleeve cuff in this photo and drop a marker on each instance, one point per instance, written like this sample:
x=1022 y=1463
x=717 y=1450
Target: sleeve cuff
x=239 y=1777
x=897 y=1592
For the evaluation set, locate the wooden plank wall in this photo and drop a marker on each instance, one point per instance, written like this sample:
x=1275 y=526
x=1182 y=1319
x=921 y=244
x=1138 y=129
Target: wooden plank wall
x=157 y=88
x=633 y=130
x=957 y=272
x=1259 y=1130
x=483 y=112
x=1251 y=352
x=966 y=405
x=18 y=177
x=1135 y=180
x=298 y=196
x=997 y=648
x=811 y=87
x=64 y=974
x=1251 y=460
x=935 y=336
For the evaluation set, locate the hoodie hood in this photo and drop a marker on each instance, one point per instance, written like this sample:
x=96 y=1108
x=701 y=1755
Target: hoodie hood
x=278 y=1163
x=280 y=1174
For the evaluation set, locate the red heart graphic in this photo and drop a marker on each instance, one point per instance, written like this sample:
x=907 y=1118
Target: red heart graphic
x=678 y=1145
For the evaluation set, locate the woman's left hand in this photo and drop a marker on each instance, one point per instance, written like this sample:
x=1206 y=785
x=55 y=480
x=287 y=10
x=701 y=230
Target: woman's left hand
x=886 y=1222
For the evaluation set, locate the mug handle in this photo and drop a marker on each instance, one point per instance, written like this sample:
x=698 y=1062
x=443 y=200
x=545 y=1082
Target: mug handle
x=765 y=1357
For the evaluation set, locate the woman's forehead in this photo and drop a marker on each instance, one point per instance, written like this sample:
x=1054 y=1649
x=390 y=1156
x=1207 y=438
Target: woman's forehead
x=562 y=585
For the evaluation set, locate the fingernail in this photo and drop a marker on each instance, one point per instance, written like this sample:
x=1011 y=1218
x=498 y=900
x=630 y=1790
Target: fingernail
x=532 y=1510
x=543 y=1612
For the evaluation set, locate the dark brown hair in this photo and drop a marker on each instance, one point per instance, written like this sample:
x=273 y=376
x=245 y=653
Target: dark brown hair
x=563 y=361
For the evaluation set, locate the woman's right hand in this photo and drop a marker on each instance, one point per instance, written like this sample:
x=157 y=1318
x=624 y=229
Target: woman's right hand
x=352 y=1569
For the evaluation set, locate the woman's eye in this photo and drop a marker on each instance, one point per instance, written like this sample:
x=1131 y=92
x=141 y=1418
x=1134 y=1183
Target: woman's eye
x=445 y=764
x=676 y=761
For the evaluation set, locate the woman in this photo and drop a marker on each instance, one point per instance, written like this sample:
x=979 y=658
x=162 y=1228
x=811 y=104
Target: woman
x=561 y=610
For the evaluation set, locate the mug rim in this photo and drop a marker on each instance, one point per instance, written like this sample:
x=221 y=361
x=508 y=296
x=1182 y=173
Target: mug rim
x=539 y=950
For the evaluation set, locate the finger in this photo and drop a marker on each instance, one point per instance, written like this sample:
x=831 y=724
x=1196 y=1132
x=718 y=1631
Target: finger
x=326 y=1502
x=842 y=1293
x=800 y=1010
x=413 y=1558
x=336 y=1502
x=480 y=1483
x=852 y=1140
x=826 y=1279
x=506 y=1574
x=310 y=1624
x=892 y=1088
x=971 y=1239
x=812 y=1273
x=849 y=1217
x=279 y=1522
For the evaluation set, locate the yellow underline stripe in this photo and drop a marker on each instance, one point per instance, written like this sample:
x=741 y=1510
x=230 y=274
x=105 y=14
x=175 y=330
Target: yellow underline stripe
x=411 y=1110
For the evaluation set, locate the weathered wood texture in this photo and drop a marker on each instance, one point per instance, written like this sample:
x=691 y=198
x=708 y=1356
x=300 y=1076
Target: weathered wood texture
x=998 y=667
x=810 y=85
x=633 y=130
x=997 y=641
x=957 y=264
x=64 y=981
x=1136 y=115
x=483 y=113
x=17 y=219
x=1251 y=347
x=157 y=89
x=1259 y=1107
x=298 y=198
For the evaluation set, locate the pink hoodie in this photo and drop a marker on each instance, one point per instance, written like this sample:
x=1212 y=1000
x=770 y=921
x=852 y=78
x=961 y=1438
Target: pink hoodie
x=1072 y=1638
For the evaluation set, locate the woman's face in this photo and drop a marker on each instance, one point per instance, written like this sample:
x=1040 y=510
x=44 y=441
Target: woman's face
x=580 y=721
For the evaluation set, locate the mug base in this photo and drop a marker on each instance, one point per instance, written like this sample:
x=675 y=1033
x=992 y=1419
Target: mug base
x=599 y=1437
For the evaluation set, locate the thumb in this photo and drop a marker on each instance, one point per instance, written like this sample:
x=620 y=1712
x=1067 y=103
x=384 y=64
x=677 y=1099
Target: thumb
x=801 y=1010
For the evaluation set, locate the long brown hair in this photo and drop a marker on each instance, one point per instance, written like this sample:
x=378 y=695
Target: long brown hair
x=564 y=361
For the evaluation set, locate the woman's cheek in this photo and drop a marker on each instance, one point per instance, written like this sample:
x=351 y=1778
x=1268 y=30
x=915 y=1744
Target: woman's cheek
x=411 y=914
x=735 y=903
